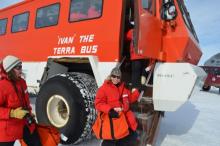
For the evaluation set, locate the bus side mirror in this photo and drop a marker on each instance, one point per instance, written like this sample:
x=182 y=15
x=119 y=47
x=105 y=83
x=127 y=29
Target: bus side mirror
x=168 y=10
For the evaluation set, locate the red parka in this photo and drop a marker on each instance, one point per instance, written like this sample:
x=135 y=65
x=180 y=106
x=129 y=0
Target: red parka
x=11 y=128
x=110 y=96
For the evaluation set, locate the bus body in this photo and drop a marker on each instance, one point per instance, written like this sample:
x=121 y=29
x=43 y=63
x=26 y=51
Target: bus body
x=68 y=48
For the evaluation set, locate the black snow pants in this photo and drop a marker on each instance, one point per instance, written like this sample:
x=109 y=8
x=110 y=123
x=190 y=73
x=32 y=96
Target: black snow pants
x=7 y=143
x=31 y=139
x=129 y=140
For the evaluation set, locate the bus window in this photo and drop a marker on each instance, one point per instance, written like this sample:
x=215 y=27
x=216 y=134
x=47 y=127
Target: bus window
x=148 y=5
x=3 y=24
x=20 y=22
x=47 y=16
x=85 y=9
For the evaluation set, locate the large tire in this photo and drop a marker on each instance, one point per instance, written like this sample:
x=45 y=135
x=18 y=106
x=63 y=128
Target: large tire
x=66 y=101
x=206 y=88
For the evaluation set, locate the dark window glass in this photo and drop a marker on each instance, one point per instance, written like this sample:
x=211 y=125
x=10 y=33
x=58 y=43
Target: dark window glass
x=212 y=61
x=148 y=5
x=3 y=24
x=20 y=22
x=47 y=16
x=85 y=9
x=218 y=71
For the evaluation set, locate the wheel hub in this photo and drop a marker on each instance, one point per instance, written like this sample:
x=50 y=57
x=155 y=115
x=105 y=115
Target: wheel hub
x=58 y=111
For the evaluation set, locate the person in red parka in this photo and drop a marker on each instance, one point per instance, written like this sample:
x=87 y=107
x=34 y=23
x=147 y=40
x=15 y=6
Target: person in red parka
x=15 y=110
x=113 y=97
x=138 y=63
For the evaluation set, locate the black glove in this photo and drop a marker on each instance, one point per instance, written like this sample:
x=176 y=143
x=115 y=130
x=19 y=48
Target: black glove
x=113 y=114
x=142 y=88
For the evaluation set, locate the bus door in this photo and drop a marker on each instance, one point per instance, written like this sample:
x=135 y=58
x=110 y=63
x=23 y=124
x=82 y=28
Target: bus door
x=147 y=29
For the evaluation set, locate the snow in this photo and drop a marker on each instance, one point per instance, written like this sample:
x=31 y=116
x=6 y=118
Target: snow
x=196 y=123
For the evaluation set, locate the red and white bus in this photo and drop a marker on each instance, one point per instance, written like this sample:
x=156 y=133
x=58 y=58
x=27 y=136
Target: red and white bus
x=68 y=48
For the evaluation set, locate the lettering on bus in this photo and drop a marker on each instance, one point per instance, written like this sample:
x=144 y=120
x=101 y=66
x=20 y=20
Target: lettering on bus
x=65 y=50
x=86 y=49
x=65 y=40
x=65 y=45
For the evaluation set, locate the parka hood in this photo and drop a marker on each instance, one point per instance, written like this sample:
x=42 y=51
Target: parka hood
x=3 y=74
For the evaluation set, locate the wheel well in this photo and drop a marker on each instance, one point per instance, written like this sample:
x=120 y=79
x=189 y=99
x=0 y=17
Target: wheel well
x=64 y=65
x=76 y=64
x=78 y=67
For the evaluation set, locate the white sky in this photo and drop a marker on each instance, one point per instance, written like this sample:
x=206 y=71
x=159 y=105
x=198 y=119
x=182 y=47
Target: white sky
x=205 y=16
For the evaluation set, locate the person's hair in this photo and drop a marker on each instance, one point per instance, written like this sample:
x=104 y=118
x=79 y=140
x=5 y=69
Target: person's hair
x=108 y=78
x=12 y=76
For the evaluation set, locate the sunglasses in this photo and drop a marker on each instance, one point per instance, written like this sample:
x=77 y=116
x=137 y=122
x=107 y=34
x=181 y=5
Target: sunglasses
x=114 y=76
x=18 y=67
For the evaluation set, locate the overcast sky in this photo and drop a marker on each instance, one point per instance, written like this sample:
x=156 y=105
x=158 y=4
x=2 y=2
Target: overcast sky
x=205 y=16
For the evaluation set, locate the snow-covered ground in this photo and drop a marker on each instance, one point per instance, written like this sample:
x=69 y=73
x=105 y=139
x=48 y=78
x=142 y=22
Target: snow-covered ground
x=196 y=123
